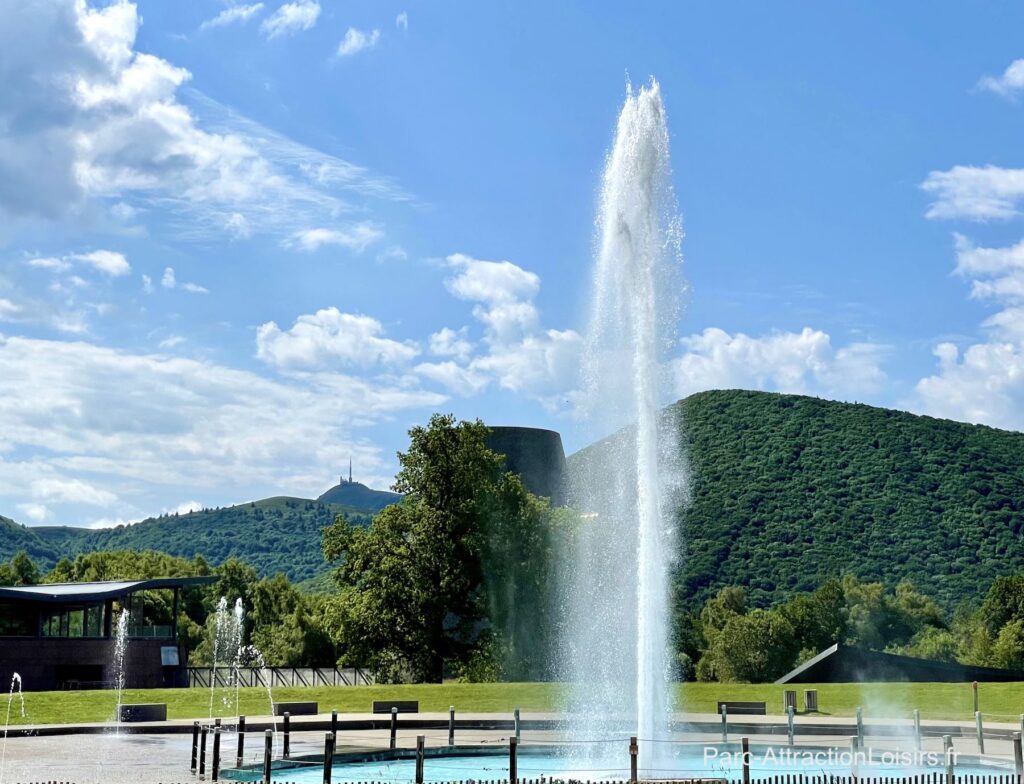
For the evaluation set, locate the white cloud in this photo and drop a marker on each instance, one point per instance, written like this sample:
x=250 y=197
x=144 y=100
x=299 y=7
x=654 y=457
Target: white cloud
x=291 y=18
x=169 y=280
x=185 y=508
x=104 y=128
x=356 y=41
x=328 y=338
x=232 y=15
x=357 y=237
x=147 y=284
x=1006 y=84
x=984 y=382
x=454 y=377
x=37 y=513
x=71 y=491
x=519 y=355
x=979 y=193
x=9 y=310
x=802 y=362
x=448 y=342
x=402 y=21
x=171 y=342
x=139 y=424
x=106 y=261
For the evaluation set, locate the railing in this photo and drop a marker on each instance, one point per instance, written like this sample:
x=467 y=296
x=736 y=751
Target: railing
x=227 y=677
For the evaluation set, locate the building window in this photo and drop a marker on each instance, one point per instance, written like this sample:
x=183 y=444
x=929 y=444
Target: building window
x=74 y=622
x=17 y=620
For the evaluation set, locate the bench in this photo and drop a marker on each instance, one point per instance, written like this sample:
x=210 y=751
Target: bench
x=400 y=706
x=144 y=711
x=295 y=708
x=743 y=708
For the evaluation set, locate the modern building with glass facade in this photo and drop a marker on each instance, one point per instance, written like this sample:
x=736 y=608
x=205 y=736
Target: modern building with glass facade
x=61 y=636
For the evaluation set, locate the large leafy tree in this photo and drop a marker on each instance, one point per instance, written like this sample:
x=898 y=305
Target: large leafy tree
x=461 y=564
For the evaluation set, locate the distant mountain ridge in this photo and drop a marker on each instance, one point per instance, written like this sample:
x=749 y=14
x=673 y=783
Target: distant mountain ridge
x=786 y=492
x=280 y=534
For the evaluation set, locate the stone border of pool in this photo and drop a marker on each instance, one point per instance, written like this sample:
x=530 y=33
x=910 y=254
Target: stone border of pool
x=694 y=723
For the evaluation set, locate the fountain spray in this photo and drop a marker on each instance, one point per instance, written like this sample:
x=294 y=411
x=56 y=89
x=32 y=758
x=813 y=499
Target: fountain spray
x=120 y=653
x=15 y=681
x=629 y=489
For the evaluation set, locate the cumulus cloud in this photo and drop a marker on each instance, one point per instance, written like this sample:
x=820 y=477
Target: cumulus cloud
x=169 y=280
x=448 y=342
x=36 y=513
x=94 y=125
x=92 y=425
x=1009 y=82
x=984 y=382
x=402 y=21
x=802 y=362
x=330 y=338
x=232 y=15
x=978 y=193
x=517 y=353
x=291 y=18
x=108 y=262
x=356 y=41
x=356 y=237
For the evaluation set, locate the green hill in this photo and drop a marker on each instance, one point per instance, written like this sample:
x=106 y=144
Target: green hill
x=359 y=496
x=274 y=535
x=788 y=491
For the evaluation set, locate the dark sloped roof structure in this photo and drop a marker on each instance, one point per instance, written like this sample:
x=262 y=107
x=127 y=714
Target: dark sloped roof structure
x=849 y=664
x=96 y=592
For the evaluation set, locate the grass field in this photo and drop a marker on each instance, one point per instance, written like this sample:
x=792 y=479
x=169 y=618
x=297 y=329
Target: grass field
x=999 y=701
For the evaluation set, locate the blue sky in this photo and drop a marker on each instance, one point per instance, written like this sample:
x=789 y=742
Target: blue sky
x=240 y=243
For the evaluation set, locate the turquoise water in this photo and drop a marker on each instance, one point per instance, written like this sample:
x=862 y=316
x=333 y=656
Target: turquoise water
x=681 y=761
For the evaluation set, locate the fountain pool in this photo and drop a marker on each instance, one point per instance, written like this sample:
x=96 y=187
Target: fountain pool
x=681 y=761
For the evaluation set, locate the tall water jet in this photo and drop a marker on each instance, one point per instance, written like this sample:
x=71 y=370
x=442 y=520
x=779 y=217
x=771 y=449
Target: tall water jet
x=120 y=659
x=15 y=682
x=629 y=488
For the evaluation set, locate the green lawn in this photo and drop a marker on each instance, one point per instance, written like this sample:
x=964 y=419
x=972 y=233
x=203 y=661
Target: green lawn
x=999 y=701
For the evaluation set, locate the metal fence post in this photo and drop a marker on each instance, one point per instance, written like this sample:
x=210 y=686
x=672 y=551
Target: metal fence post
x=791 y=720
x=634 y=752
x=853 y=757
x=334 y=726
x=451 y=725
x=268 y=755
x=947 y=749
x=981 y=732
x=725 y=723
x=394 y=727
x=420 y=739
x=328 y=756
x=195 y=746
x=202 y=754
x=515 y=721
x=287 y=735
x=860 y=727
x=917 y=729
x=513 y=768
x=216 y=753
x=240 y=752
x=745 y=749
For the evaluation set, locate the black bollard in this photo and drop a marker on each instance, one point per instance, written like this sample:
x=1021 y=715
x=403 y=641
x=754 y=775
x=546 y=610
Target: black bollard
x=515 y=721
x=241 y=742
x=334 y=726
x=1018 y=756
x=745 y=750
x=419 y=758
x=328 y=756
x=451 y=725
x=268 y=754
x=287 y=735
x=202 y=754
x=195 y=746
x=394 y=727
x=513 y=767
x=633 y=753
x=216 y=753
